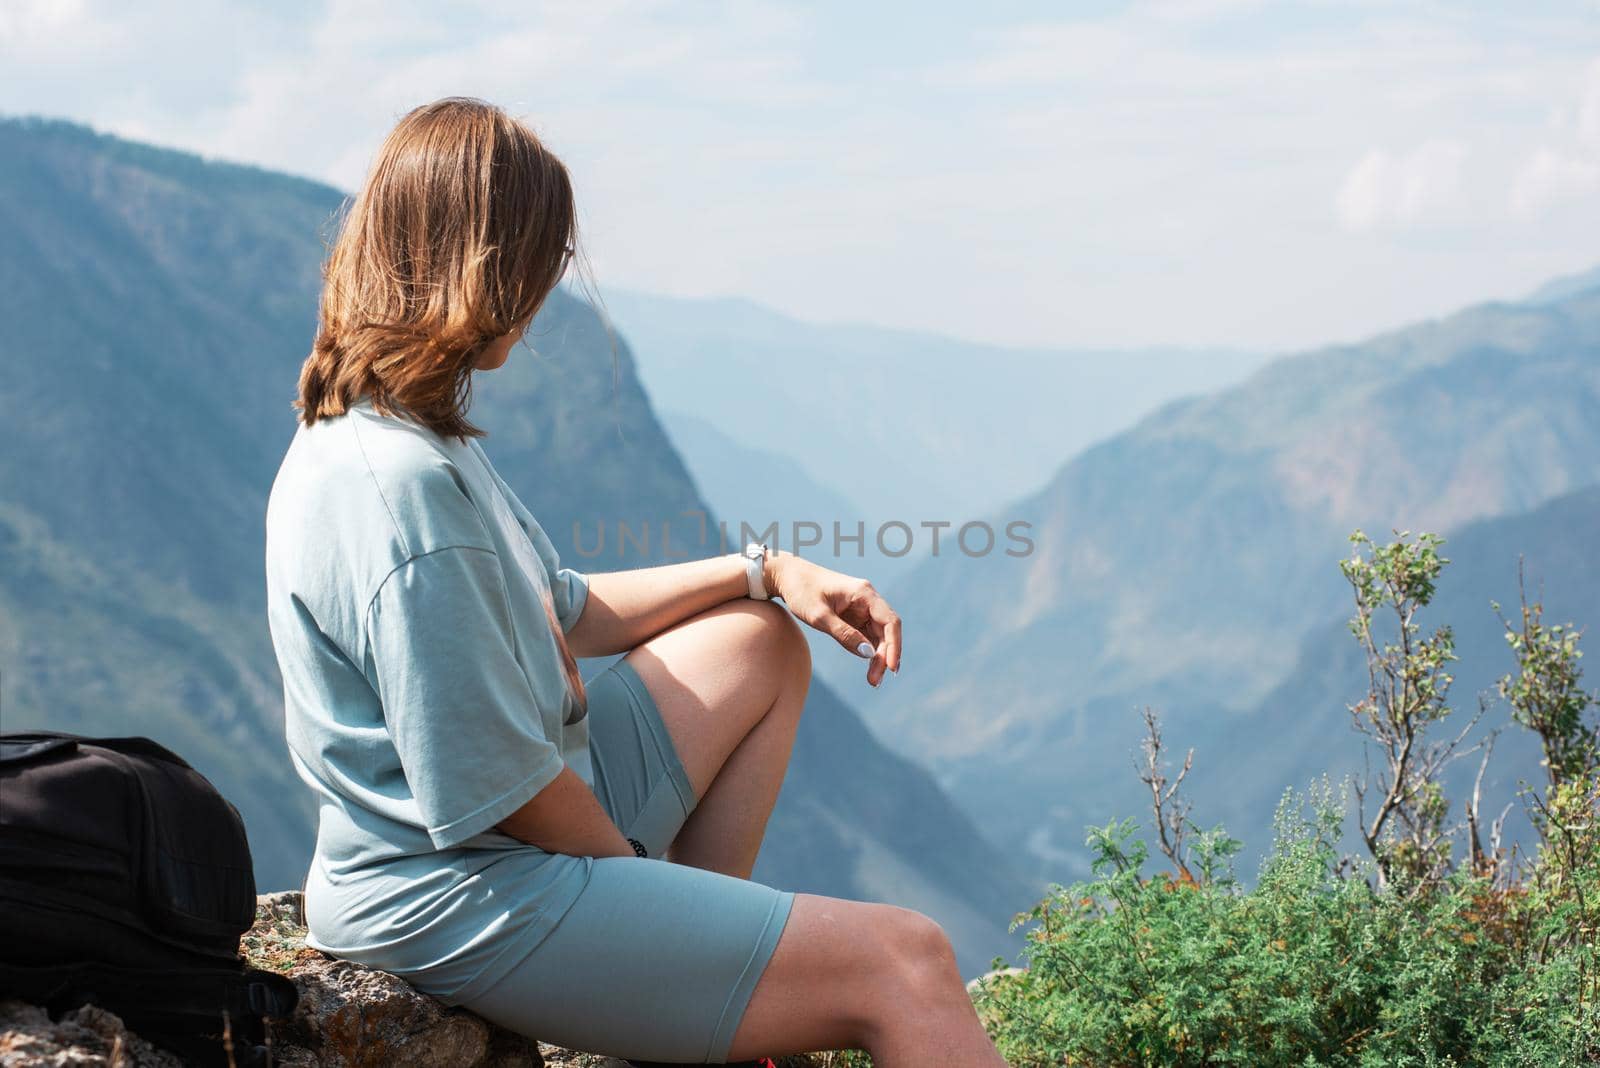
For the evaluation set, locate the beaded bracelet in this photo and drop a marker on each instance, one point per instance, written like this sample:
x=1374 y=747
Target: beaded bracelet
x=638 y=847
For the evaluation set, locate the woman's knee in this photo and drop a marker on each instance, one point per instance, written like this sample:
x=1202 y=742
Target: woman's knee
x=911 y=969
x=781 y=629
x=863 y=968
x=775 y=636
x=921 y=955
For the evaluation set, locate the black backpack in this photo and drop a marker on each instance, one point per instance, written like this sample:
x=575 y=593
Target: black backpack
x=126 y=882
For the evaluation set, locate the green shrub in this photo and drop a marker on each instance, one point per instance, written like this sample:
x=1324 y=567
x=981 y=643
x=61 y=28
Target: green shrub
x=1312 y=967
x=1397 y=958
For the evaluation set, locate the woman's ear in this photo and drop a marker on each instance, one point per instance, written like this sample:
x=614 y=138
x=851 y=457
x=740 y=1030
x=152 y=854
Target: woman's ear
x=496 y=352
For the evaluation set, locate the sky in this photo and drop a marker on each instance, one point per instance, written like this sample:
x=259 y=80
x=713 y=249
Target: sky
x=1232 y=173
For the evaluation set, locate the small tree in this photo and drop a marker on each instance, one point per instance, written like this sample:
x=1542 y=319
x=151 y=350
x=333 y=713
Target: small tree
x=1199 y=857
x=1546 y=693
x=1407 y=693
x=1170 y=808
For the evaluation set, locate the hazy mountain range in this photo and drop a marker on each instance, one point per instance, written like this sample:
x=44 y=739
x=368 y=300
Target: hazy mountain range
x=1558 y=289
x=1183 y=564
x=158 y=309
x=748 y=481
x=901 y=425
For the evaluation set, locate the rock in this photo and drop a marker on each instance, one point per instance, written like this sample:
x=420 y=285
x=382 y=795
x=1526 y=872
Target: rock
x=977 y=985
x=980 y=988
x=86 y=1037
x=285 y=906
x=352 y=1016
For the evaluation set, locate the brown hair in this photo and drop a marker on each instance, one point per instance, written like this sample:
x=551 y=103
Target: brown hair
x=463 y=226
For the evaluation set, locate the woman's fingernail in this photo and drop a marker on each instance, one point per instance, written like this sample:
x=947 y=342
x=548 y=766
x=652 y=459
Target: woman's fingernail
x=864 y=650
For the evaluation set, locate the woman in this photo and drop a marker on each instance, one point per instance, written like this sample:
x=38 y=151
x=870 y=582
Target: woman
x=570 y=860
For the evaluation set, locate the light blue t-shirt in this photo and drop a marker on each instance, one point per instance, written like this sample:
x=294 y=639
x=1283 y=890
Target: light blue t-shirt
x=425 y=696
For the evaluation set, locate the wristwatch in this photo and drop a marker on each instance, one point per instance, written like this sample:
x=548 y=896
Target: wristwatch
x=755 y=556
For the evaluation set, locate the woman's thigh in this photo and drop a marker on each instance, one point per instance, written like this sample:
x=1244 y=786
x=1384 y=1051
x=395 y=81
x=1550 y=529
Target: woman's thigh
x=655 y=961
x=660 y=961
x=715 y=675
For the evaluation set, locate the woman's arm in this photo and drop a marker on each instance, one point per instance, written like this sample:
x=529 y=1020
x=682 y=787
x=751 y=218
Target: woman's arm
x=625 y=608
x=566 y=817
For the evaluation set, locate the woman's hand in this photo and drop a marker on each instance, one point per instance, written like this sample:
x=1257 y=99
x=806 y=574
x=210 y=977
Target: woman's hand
x=848 y=609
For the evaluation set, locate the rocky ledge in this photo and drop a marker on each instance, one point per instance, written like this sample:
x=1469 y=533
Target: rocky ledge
x=349 y=1016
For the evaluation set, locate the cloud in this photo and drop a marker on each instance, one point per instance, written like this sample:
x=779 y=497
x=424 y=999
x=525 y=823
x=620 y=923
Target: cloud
x=1402 y=189
x=23 y=21
x=1589 y=108
x=1034 y=174
x=1200 y=10
x=1551 y=177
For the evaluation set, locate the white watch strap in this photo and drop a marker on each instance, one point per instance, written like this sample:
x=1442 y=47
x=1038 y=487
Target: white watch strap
x=755 y=555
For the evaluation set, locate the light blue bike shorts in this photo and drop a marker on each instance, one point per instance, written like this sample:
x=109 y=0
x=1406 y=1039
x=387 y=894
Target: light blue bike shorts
x=655 y=960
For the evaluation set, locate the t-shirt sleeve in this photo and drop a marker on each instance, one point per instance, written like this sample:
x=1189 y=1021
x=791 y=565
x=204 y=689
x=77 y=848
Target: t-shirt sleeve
x=569 y=589
x=441 y=653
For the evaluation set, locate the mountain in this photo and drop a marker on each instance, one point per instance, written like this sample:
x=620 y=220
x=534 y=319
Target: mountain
x=1566 y=286
x=158 y=309
x=911 y=426
x=154 y=304
x=1181 y=563
x=752 y=485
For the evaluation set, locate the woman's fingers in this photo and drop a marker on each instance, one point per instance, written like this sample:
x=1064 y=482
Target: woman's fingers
x=872 y=614
x=888 y=625
x=848 y=636
x=852 y=612
x=857 y=640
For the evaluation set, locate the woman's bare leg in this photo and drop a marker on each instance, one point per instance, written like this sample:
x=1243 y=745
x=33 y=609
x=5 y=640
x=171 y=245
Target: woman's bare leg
x=853 y=975
x=730 y=684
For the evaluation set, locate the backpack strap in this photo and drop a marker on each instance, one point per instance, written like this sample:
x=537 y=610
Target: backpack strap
x=21 y=745
x=21 y=748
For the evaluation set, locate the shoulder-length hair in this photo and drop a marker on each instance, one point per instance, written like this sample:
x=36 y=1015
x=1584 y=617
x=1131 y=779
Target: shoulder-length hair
x=462 y=228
